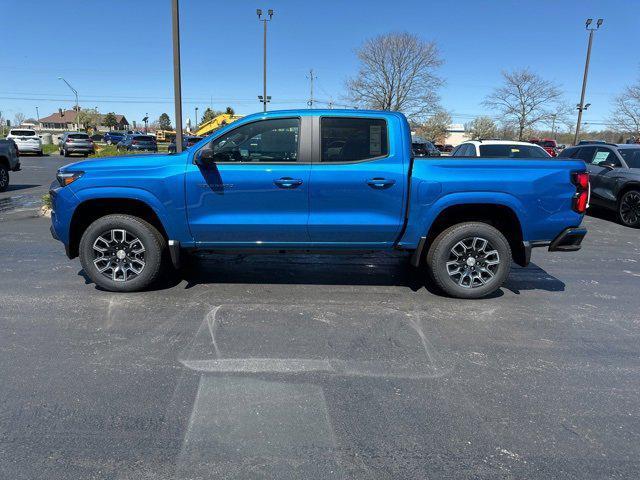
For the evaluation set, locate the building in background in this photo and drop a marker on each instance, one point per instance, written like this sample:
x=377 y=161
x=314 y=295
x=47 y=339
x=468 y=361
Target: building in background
x=68 y=122
x=456 y=134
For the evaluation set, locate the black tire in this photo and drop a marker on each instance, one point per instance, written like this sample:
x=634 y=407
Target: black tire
x=629 y=209
x=40 y=153
x=4 y=178
x=65 y=153
x=155 y=253
x=473 y=274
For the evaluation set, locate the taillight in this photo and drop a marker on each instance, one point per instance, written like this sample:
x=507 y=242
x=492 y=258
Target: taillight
x=581 y=197
x=134 y=142
x=69 y=140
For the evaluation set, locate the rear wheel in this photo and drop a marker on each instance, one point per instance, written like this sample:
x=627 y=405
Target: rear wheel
x=4 y=178
x=629 y=209
x=469 y=260
x=122 y=253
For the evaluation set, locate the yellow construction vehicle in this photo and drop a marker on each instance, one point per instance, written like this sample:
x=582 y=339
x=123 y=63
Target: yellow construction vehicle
x=215 y=123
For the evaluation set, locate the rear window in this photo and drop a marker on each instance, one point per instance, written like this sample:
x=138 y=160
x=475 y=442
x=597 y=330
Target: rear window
x=353 y=139
x=23 y=133
x=548 y=143
x=143 y=138
x=513 y=151
x=79 y=136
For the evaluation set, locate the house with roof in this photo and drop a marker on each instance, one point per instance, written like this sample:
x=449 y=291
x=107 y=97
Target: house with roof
x=66 y=120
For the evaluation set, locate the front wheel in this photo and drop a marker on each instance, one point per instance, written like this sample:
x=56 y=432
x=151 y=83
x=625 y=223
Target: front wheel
x=469 y=260
x=4 y=178
x=629 y=209
x=122 y=253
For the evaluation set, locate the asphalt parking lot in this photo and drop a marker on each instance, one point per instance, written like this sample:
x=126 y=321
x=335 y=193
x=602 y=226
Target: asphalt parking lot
x=315 y=367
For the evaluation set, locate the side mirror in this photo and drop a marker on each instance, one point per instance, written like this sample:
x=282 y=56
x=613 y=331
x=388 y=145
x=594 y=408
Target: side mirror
x=205 y=157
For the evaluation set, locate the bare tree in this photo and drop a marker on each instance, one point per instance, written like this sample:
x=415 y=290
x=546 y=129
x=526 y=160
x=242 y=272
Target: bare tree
x=397 y=72
x=524 y=100
x=481 y=127
x=435 y=127
x=18 y=119
x=626 y=111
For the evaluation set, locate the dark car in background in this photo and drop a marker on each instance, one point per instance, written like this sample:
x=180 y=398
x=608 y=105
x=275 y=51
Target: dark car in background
x=113 y=138
x=187 y=141
x=138 y=143
x=615 y=177
x=424 y=149
x=76 y=142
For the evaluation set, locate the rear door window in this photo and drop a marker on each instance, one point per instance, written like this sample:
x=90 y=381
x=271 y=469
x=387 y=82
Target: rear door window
x=605 y=155
x=585 y=154
x=353 y=139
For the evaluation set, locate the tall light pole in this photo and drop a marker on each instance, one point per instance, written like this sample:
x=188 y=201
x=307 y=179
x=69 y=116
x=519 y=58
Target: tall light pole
x=38 y=117
x=553 y=125
x=581 y=106
x=177 y=87
x=75 y=92
x=196 y=123
x=264 y=98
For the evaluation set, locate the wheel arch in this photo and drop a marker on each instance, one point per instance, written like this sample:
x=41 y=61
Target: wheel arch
x=91 y=209
x=501 y=216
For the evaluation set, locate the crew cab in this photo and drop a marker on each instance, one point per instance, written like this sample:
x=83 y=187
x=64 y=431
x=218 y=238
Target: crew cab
x=317 y=181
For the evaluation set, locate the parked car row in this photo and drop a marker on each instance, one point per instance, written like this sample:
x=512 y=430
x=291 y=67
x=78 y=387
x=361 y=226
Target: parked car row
x=138 y=142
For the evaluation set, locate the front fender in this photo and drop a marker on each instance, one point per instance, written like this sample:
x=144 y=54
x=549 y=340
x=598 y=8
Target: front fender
x=172 y=220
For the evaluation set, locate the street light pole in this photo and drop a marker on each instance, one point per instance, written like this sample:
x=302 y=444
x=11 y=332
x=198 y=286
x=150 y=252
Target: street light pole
x=553 y=126
x=177 y=88
x=196 y=122
x=38 y=118
x=581 y=106
x=75 y=92
x=265 y=99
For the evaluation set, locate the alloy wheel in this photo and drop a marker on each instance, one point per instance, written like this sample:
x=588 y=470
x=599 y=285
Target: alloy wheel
x=473 y=262
x=630 y=208
x=119 y=255
x=4 y=178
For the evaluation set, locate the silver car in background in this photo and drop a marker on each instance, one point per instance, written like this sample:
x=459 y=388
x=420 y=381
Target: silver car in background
x=76 y=142
x=27 y=140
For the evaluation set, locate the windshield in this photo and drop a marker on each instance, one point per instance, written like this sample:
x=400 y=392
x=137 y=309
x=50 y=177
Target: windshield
x=631 y=156
x=513 y=151
x=23 y=133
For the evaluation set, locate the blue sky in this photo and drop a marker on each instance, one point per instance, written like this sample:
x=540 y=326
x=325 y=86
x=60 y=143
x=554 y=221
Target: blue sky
x=117 y=54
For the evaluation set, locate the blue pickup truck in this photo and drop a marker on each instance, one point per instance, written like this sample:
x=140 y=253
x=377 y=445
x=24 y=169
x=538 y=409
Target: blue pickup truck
x=317 y=181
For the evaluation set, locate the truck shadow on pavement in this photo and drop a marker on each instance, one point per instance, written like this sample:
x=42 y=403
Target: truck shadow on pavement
x=361 y=270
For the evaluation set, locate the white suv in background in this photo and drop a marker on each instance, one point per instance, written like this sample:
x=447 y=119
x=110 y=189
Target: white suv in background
x=28 y=141
x=499 y=148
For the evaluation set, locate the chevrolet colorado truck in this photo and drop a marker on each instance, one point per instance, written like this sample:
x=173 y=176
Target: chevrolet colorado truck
x=317 y=181
x=9 y=161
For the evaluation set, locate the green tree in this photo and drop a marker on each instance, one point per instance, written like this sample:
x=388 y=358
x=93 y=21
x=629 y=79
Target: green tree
x=208 y=115
x=110 y=120
x=88 y=117
x=481 y=127
x=164 y=122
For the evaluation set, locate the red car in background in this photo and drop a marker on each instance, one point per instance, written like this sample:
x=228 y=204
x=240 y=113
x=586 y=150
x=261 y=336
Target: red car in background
x=549 y=144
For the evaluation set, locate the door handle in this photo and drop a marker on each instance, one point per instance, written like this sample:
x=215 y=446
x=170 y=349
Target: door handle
x=381 y=183
x=288 y=182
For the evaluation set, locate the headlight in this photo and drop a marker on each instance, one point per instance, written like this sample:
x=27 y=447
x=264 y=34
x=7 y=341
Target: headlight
x=67 y=178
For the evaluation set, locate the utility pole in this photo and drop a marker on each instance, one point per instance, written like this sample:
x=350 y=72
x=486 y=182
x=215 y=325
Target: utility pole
x=196 y=123
x=38 y=117
x=75 y=92
x=264 y=98
x=177 y=87
x=311 y=77
x=553 y=125
x=581 y=105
